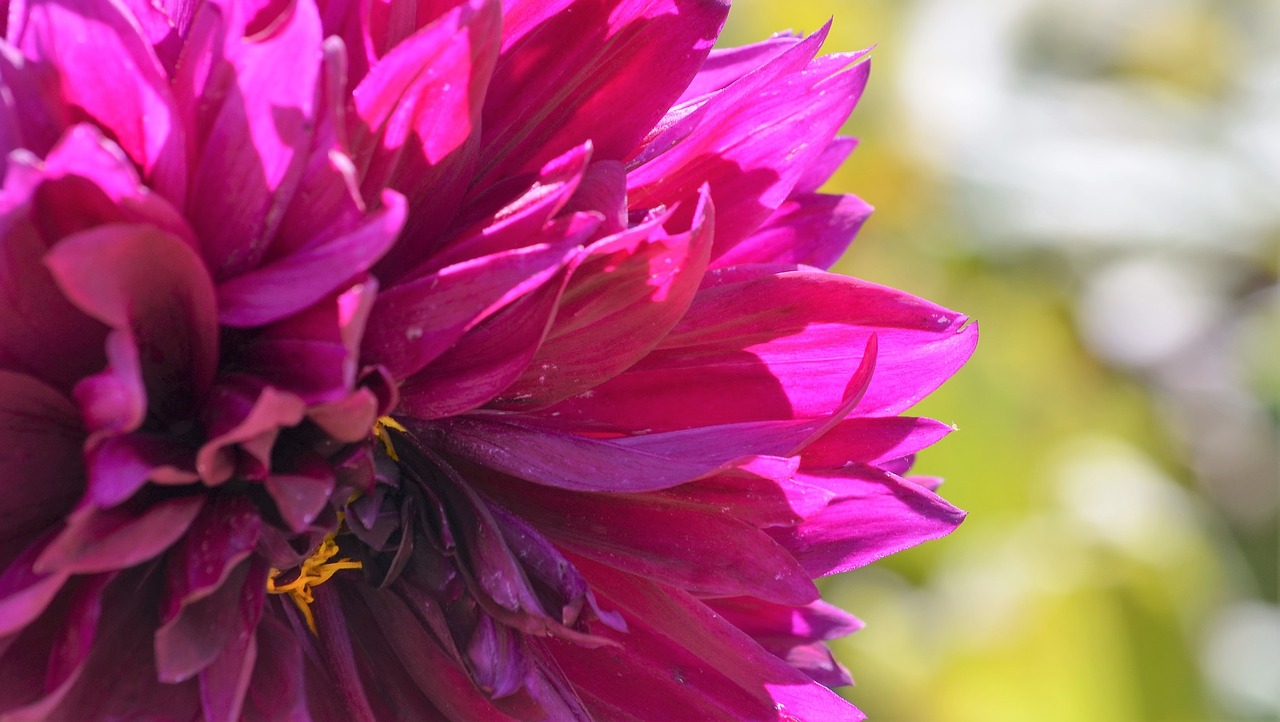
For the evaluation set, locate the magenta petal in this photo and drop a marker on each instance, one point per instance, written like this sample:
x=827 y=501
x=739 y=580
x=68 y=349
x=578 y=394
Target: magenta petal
x=752 y=141
x=700 y=550
x=276 y=690
x=725 y=65
x=101 y=540
x=152 y=286
x=793 y=634
x=873 y=441
x=225 y=681
x=256 y=131
x=194 y=638
x=301 y=490
x=780 y=346
x=25 y=592
x=825 y=165
x=624 y=294
x=484 y=362
x=419 y=113
x=121 y=465
x=567 y=67
x=34 y=307
x=537 y=451
x=682 y=661
x=811 y=228
x=873 y=515
x=220 y=538
x=290 y=284
x=457 y=298
x=245 y=414
x=93 y=51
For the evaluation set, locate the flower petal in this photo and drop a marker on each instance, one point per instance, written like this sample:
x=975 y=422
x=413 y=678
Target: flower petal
x=151 y=286
x=568 y=65
x=752 y=141
x=102 y=540
x=255 y=131
x=624 y=294
x=781 y=346
x=93 y=51
x=813 y=229
x=874 y=514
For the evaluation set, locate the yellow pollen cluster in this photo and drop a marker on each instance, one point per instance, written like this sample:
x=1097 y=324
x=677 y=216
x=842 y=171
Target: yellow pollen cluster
x=380 y=430
x=315 y=570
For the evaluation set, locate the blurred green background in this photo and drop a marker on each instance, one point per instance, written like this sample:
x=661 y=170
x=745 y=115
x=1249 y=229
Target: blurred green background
x=1097 y=182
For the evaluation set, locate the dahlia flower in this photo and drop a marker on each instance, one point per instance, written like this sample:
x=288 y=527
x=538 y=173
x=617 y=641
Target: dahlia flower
x=394 y=360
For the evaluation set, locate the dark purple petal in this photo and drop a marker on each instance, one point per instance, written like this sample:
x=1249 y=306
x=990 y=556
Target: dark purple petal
x=701 y=550
x=102 y=540
x=43 y=438
x=152 y=289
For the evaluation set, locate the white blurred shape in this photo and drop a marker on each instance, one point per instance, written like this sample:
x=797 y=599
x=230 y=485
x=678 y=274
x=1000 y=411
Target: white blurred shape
x=1241 y=658
x=1140 y=311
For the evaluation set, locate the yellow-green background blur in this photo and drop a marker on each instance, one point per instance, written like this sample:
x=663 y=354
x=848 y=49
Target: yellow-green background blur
x=1097 y=182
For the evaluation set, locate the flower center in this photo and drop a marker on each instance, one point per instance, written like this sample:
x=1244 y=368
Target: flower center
x=315 y=570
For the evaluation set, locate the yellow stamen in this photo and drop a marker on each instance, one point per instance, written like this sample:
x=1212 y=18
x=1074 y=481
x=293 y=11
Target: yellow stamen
x=380 y=430
x=315 y=570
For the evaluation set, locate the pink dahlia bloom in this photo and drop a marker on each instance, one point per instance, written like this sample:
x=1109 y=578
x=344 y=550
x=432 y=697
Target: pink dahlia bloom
x=394 y=360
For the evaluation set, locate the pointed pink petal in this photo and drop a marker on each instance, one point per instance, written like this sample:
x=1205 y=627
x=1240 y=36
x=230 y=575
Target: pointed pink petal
x=419 y=113
x=793 y=634
x=873 y=441
x=873 y=515
x=681 y=661
x=725 y=65
x=567 y=67
x=825 y=165
x=781 y=346
x=752 y=141
x=810 y=228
